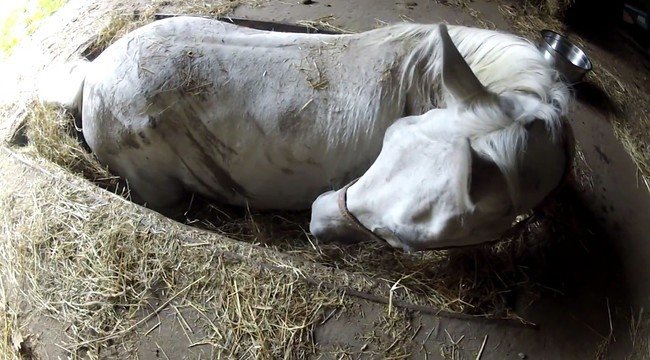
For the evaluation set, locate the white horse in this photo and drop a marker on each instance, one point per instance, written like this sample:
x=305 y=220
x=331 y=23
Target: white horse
x=272 y=120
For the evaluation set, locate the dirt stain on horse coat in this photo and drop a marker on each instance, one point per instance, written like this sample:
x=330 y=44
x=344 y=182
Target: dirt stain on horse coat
x=290 y=125
x=144 y=138
x=181 y=114
x=129 y=140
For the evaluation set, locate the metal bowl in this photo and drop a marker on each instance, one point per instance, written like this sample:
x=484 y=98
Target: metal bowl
x=567 y=58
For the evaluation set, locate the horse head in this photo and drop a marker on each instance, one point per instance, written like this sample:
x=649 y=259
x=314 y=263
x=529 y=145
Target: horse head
x=455 y=176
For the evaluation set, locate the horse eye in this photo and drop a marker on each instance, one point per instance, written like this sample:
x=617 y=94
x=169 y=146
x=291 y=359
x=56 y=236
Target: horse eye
x=529 y=125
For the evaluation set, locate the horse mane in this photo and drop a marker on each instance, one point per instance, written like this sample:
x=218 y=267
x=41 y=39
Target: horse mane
x=504 y=63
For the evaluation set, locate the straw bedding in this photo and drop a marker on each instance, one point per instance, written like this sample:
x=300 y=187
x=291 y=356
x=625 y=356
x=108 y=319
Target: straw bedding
x=91 y=263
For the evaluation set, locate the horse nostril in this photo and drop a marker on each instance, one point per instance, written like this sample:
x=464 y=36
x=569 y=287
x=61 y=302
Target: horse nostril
x=318 y=232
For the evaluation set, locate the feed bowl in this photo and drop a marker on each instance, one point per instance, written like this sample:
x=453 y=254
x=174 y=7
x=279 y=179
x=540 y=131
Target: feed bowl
x=567 y=58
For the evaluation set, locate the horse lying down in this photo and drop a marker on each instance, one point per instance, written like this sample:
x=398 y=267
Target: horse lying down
x=451 y=132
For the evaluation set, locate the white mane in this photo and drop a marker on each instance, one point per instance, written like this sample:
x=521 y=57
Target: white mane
x=505 y=64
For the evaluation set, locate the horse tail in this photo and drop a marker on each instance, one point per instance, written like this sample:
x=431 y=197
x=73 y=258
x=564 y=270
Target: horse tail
x=63 y=85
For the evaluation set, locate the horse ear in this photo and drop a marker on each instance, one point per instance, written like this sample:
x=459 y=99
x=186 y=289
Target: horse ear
x=457 y=76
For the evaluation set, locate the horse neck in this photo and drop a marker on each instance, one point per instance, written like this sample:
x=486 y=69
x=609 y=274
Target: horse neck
x=420 y=71
x=399 y=92
x=502 y=62
x=421 y=68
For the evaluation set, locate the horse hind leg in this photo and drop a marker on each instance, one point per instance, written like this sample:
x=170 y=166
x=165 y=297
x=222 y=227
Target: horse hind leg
x=160 y=193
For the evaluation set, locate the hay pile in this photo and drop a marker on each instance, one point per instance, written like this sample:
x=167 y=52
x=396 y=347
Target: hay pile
x=52 y=135
x=549 y=7
x=640 y=336
x=323 y=23
x=95 y=267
